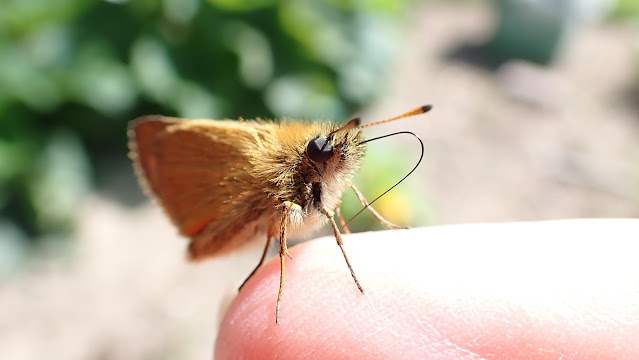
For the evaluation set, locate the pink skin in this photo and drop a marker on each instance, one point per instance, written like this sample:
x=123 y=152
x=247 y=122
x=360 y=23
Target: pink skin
x=542 y=290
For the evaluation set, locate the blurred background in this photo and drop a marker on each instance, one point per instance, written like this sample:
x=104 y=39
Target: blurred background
x=536 y=116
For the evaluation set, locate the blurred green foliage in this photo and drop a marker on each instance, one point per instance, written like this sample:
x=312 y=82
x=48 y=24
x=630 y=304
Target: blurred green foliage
x=74 y=72
x=626 y=9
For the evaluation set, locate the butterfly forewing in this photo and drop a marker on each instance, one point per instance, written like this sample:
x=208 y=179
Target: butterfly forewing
x=194 y=169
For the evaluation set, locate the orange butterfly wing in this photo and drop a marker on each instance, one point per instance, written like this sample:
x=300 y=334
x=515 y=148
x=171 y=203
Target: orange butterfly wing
x=197 y=171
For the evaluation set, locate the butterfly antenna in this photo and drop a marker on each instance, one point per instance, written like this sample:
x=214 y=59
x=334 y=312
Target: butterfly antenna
x=421 y=156
x=417 y=111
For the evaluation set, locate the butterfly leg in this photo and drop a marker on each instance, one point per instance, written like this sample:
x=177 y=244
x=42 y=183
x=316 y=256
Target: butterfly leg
x=269 y=237
x=340 y=243
x=286 y=210
x=379 y=218
x=342 y=222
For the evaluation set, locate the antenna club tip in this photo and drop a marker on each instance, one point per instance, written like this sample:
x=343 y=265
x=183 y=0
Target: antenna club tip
x=427 y=108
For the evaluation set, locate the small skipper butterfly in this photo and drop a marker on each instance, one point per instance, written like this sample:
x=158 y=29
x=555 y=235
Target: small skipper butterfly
x=225 y=183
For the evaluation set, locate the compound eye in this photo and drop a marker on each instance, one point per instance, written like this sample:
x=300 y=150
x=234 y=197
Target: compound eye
x=319 y=150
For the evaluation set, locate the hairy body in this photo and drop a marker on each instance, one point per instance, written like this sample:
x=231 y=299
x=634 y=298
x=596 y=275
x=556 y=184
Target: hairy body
x=223 y=183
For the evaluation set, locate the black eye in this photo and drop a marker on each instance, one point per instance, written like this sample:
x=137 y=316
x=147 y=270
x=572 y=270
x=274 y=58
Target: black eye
x=319 y=150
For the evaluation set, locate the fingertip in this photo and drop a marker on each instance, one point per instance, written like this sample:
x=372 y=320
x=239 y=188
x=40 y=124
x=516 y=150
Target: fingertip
x=450 y=292
x=323 y=314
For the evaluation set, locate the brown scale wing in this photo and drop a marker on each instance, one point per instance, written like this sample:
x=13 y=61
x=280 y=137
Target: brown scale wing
x=197 y=171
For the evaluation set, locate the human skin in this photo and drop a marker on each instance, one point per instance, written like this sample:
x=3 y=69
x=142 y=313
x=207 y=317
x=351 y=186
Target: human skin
x=540 y=290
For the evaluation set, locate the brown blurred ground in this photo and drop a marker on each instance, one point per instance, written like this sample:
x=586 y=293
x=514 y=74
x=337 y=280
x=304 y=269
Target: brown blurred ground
x=514 y=143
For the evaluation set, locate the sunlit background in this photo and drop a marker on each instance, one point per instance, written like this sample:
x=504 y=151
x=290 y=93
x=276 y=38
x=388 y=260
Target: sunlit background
x=536 y=116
